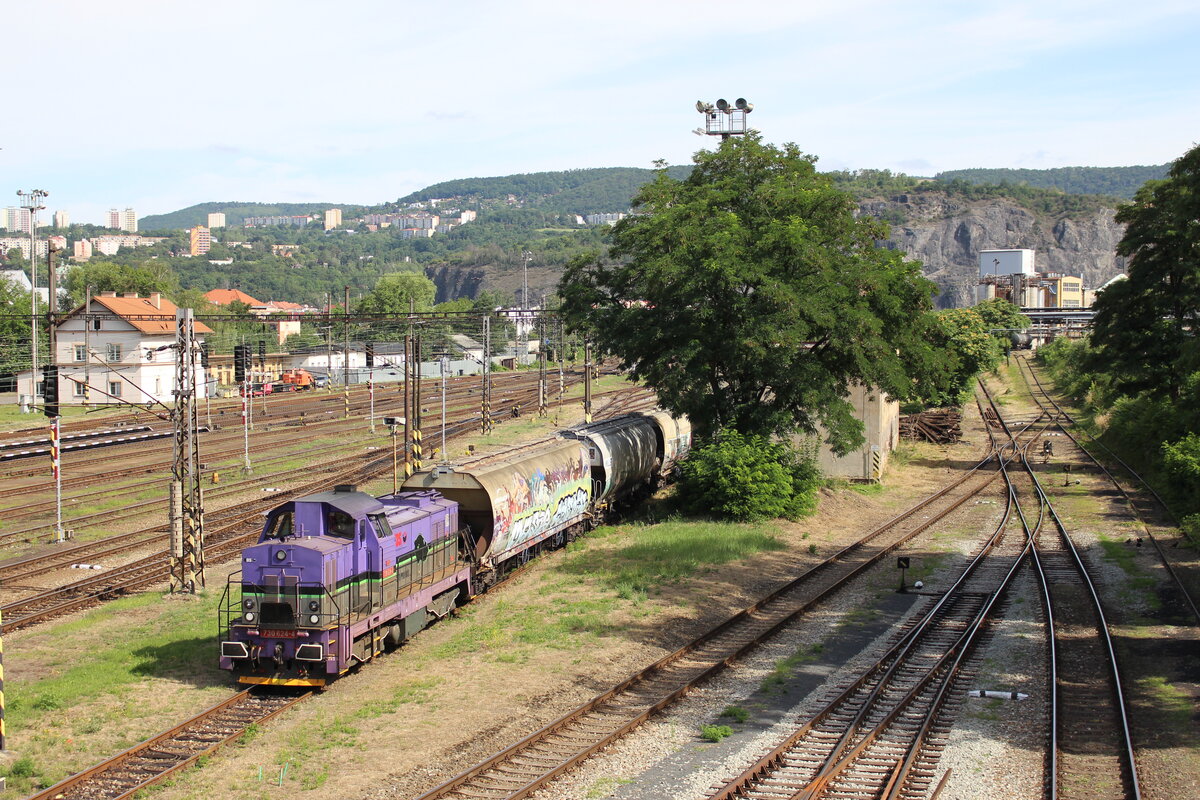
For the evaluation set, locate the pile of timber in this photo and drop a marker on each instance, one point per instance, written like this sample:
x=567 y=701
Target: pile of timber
x=938 y=425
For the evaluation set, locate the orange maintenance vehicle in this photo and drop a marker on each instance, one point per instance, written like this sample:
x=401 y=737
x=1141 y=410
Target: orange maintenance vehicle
x=301 y=378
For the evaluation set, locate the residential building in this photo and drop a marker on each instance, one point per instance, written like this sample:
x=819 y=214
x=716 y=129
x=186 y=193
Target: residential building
x=62 y=219
x=333 y=218
x=200 y=240
x=82 y=249
x=216 y=219
x=266 y=222
x=22 y=243
x=122 y=220
x=17 y=219
x=122 y=353
x=223 y=297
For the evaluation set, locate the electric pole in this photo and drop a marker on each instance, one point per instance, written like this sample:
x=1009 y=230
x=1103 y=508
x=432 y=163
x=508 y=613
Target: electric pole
x=187 y=502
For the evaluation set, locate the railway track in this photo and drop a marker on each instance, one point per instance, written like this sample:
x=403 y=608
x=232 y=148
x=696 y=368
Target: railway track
x=227 y=532
x=157 y=759
x=537 y=760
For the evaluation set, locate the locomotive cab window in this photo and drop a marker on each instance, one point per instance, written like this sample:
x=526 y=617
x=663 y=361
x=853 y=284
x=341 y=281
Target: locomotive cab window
x=279 y=526
x=339 y=524
x=380 y=524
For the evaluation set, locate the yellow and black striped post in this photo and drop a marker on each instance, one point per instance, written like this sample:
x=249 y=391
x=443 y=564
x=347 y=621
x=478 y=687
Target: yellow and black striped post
x=346 y=399
x=3 y=737
x=416 y=432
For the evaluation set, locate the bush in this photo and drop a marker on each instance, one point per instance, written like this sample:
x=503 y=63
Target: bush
x=715 y=733
x=748 y=478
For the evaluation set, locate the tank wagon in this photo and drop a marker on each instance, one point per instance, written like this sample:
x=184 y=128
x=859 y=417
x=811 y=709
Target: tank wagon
x=339 y=577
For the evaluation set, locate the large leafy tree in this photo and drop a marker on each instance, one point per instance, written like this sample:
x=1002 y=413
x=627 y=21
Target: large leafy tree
x=393 y=292
x=750 y=296
x=105 y=276
x=1144 y=329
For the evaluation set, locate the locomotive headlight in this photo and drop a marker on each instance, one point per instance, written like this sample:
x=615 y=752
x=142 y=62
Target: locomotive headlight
x=314 y=619
x=280 y=555
x=248 y=616
x=248 y=603
x=314 y=605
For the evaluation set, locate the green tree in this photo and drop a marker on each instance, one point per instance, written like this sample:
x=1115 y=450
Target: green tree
x=394 y=291
x=1144 y=329
x=961 y=336
x=750 y=296
x=105 y=276
x=1001 y=316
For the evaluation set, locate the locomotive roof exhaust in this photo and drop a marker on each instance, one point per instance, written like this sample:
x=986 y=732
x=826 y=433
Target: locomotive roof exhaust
x=343 y=488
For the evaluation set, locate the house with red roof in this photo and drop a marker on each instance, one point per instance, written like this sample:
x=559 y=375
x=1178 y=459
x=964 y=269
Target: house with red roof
x=223 y=297
x=121 y=348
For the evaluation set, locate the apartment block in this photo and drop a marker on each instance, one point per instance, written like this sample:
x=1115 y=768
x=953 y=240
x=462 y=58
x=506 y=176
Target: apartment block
x=333 y=218
x=200 y=240
x=216 y=220
x=122 y=220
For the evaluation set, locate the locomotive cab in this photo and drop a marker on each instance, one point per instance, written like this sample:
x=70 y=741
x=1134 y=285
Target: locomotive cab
x=334 y=578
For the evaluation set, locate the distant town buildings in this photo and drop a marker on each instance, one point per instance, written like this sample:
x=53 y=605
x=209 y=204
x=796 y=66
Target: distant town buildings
x=216 y=219
x=604 y=219
x=200 y=240
x=62 y=219
x=122 y=220
x=82 y=250
x=333 y=218
x=287 y=221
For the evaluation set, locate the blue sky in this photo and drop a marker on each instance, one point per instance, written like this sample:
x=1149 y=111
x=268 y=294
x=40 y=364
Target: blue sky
x=160 y=105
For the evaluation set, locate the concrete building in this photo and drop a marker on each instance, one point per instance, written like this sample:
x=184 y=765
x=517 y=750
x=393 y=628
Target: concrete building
x=604 y=219
x=200 y=240
x=880 y=416
x=122 y=220
x=22 y=243
x=17 y=219
x=62 y=219
x=1061 y=291
x=82 y=249
x=216 y=219
x=333 y=218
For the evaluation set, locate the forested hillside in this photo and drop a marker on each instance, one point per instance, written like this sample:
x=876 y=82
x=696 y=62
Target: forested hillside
x=576 y=191
x=1119 y=182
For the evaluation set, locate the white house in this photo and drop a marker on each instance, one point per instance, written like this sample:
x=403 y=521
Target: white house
x=125 y=356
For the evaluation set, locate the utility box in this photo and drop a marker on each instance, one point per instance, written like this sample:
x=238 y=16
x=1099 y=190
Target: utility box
x=1005 y=262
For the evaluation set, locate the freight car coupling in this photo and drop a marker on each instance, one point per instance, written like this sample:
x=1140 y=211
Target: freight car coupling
x=339 y=577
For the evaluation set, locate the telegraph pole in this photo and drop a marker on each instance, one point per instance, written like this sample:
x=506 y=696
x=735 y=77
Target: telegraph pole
x=187 y=505
x=408 y=470
x=418 y=462
x=541 y=366
x=487 y=374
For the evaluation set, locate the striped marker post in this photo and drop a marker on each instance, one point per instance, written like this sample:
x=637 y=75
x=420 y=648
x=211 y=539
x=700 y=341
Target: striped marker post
x=56 y=468
x=3 y=746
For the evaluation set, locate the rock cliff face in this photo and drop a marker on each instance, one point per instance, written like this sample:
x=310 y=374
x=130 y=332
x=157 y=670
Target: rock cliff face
x=946 y=234
x=455 y=282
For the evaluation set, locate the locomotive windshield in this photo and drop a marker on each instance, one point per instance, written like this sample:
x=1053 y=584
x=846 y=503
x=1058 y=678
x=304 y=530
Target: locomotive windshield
x=279 y=525
x=339 y=524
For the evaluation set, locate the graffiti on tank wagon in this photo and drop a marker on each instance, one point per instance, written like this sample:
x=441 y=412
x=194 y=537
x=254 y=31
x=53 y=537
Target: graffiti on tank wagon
x=544 y=501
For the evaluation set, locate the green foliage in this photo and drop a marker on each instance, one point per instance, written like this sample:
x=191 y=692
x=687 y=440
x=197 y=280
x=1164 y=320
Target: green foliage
x=1181 y=461
x=715 y=733
x=748 y=477
x=1120 y=182
x=106 y=276
x=23 y=767
x=1144 y=326
x=749 y=296
x=1000 y=315
x=394 y=292
x=736 y=713
x=961 y=337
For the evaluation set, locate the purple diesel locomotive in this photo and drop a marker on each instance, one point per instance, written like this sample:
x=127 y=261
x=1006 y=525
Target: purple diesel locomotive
x=338 y=577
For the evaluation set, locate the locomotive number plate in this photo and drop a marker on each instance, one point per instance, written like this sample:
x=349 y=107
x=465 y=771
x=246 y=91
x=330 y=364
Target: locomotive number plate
x=274 y=634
